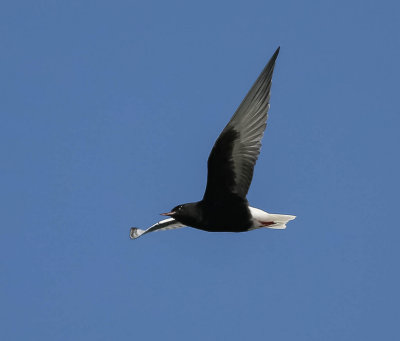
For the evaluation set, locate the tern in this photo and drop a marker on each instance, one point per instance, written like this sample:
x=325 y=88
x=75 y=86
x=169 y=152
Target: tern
x=224 y=207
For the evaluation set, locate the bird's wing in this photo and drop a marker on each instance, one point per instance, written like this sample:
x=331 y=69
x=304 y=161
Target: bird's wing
x=232 y=159
x=166 y=224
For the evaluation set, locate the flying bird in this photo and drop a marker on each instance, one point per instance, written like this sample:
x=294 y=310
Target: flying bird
x=224 y=207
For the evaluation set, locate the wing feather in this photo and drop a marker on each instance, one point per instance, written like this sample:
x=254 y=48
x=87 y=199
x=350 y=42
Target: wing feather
x=234 y=155
x=163 y=225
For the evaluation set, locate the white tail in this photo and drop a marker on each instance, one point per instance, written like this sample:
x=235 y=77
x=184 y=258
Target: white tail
x=272 y=221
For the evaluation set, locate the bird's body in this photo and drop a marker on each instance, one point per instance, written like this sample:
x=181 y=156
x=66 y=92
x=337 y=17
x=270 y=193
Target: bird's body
x=224 y=216
x=224 y=207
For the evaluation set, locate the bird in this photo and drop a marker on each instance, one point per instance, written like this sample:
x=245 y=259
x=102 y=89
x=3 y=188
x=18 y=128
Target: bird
x=224 y=207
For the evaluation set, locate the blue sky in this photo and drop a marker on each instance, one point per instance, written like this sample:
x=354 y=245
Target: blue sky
x=108 y=113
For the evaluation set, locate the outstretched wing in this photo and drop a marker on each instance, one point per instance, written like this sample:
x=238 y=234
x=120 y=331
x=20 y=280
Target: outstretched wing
x=167 y=224
x=232 y=159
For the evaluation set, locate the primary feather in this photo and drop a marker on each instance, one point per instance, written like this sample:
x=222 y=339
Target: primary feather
x=234 y=155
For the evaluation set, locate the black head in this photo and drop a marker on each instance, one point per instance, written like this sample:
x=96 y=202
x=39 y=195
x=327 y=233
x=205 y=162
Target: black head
x=177 y=210
x=187 y=214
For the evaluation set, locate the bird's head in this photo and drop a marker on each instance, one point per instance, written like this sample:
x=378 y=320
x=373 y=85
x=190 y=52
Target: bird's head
x=176 y=211
x=185 y=213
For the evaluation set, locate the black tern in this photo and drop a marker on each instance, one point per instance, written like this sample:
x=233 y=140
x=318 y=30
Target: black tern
x=224 y=207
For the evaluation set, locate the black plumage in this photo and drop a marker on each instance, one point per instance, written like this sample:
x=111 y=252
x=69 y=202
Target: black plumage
x=224 y=207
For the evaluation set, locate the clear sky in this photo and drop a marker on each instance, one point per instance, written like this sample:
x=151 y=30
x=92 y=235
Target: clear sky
x=109 y=110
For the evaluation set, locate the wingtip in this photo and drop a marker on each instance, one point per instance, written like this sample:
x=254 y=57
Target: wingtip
x=275 y=55
x=135 y=233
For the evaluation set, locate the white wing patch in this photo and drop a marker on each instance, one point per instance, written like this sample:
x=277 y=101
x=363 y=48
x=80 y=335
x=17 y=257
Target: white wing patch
x=163 y=225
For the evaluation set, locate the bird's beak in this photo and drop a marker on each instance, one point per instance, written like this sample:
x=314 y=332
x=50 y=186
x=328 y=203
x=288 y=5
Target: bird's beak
x=169 y=214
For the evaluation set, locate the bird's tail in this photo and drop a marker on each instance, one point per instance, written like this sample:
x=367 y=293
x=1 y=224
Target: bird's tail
x=278 y=221
x=272 y=221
